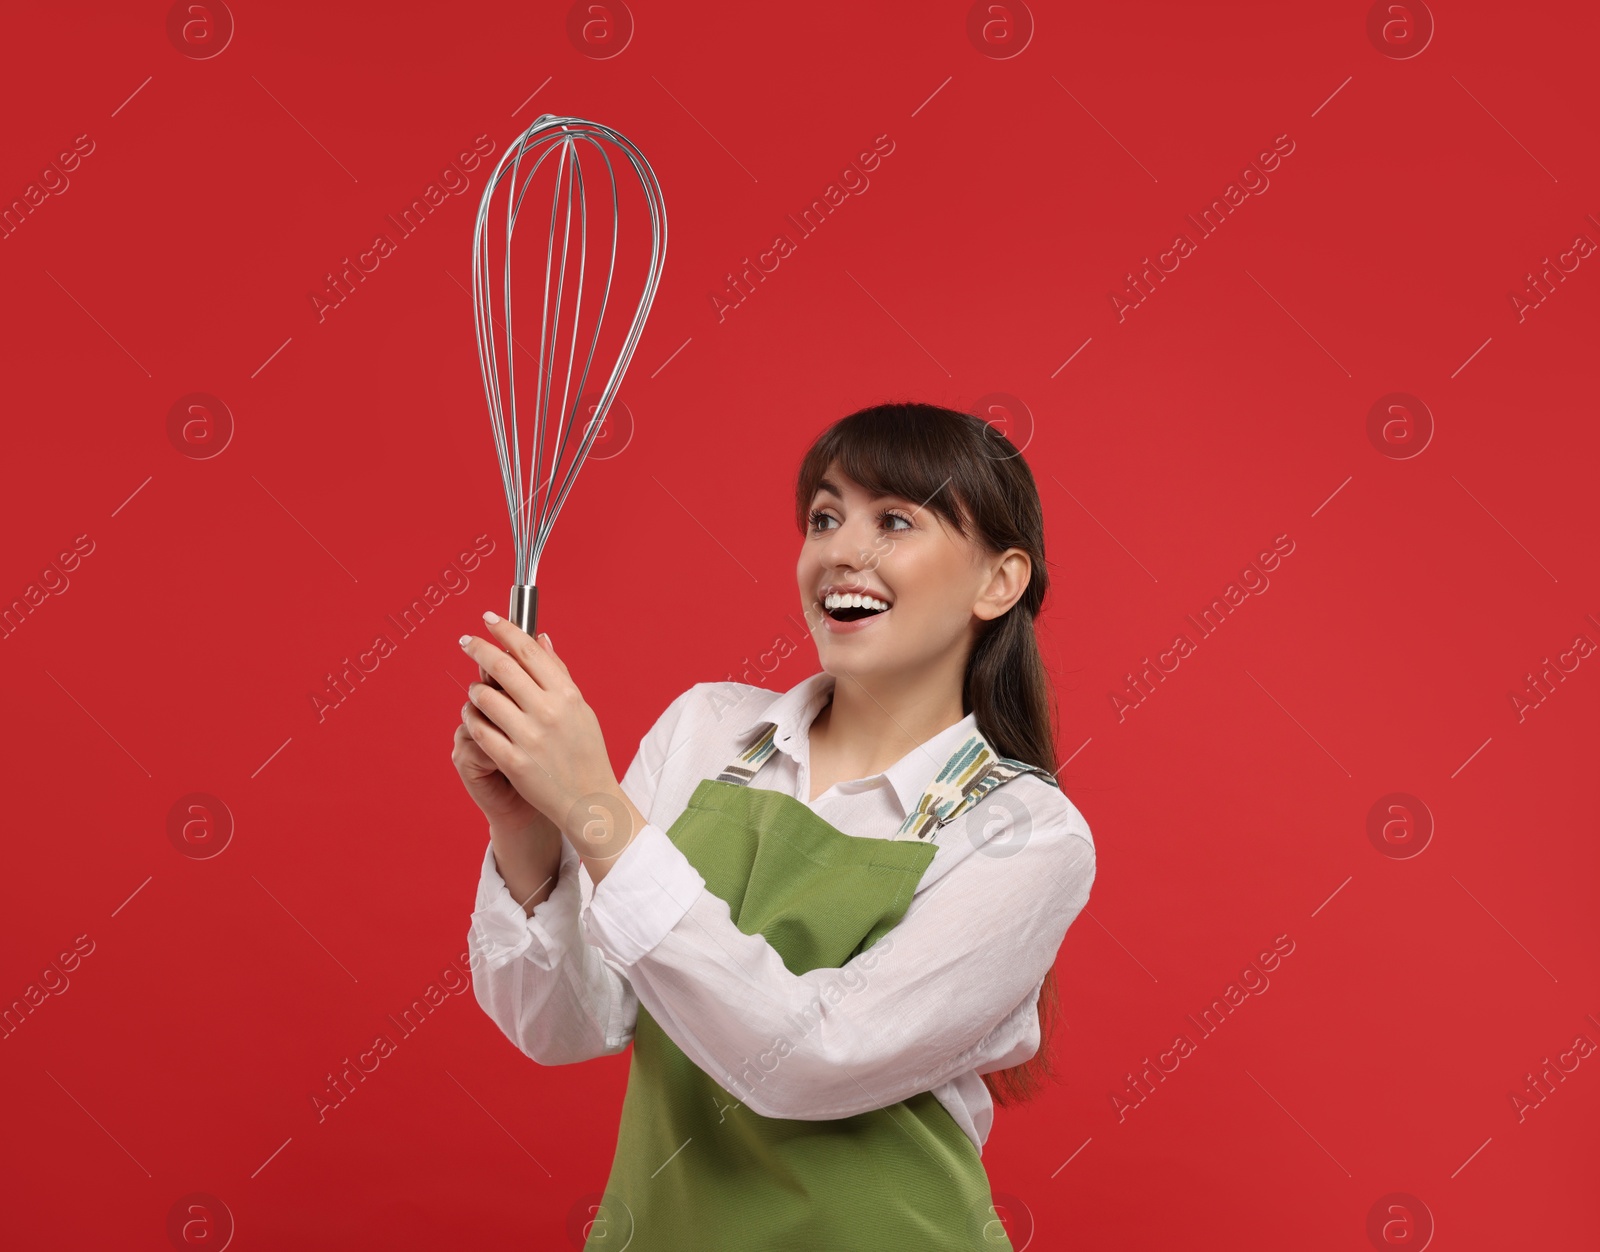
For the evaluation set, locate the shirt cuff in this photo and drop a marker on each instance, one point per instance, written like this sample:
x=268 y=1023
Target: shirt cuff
x=504 y=932
x=642 y=897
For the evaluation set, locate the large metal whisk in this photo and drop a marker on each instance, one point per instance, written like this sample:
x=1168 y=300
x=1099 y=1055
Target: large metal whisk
x=562 y=141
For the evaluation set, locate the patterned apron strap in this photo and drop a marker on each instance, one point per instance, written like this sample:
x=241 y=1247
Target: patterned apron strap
x=744 y=766
x=972 y=772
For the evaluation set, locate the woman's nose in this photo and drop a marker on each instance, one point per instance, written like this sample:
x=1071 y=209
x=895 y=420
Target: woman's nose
x=845 y=547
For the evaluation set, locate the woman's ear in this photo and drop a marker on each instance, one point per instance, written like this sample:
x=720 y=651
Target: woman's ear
x=1009 y=573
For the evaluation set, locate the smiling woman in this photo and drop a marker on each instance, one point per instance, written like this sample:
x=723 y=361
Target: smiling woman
x=891 y=825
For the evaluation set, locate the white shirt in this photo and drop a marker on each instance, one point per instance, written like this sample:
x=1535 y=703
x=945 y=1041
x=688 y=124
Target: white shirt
x=947 y=995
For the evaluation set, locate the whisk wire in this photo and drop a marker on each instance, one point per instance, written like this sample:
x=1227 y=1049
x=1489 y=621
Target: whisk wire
x=550 y=326
x=564 y=426
x=592 y=426
x=533 y=509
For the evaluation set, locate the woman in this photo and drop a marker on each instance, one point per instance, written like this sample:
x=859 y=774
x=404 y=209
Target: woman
x=826 y=919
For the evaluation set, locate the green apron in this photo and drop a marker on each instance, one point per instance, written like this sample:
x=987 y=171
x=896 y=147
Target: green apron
x=697 y=1171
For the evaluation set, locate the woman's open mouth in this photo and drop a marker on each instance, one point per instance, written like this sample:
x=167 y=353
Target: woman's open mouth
x=849 y=611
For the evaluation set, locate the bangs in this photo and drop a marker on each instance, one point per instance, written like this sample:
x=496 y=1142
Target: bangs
x=890 y=453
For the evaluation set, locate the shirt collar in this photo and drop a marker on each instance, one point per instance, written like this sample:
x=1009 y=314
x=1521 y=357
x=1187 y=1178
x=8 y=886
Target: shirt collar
x=793 y=712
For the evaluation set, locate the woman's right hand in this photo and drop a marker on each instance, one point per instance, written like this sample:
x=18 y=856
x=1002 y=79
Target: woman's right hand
x=526 y=843
x=490 y=790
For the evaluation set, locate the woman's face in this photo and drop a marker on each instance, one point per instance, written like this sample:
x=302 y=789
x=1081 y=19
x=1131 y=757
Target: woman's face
x=898 y=553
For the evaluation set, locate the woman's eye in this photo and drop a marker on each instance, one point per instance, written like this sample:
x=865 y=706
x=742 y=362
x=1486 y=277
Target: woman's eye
x=817 y=518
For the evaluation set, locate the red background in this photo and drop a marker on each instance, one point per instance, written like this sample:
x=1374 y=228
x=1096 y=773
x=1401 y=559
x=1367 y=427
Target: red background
x=1229 y=808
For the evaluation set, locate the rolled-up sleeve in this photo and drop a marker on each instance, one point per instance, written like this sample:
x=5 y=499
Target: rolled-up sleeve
x=948 y=990
x=505 y=932
x=549 y=992
x=557 y=996
x=647 y=892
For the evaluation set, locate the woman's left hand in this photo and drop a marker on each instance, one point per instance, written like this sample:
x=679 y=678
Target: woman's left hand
x=542 y=735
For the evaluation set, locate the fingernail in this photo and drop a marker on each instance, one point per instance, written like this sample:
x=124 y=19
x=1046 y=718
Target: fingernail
x=464 y=640
x=491 y=616
x=547 y=643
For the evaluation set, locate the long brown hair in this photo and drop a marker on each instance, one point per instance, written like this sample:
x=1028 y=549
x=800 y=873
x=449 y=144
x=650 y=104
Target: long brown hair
x=971 y=475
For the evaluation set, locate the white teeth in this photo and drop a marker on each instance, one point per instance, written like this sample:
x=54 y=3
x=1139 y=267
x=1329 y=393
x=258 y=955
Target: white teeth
x=834 y=600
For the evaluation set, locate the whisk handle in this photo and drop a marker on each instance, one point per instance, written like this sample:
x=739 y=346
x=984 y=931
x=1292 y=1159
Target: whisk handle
x=525 y=607
x=524 y=610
